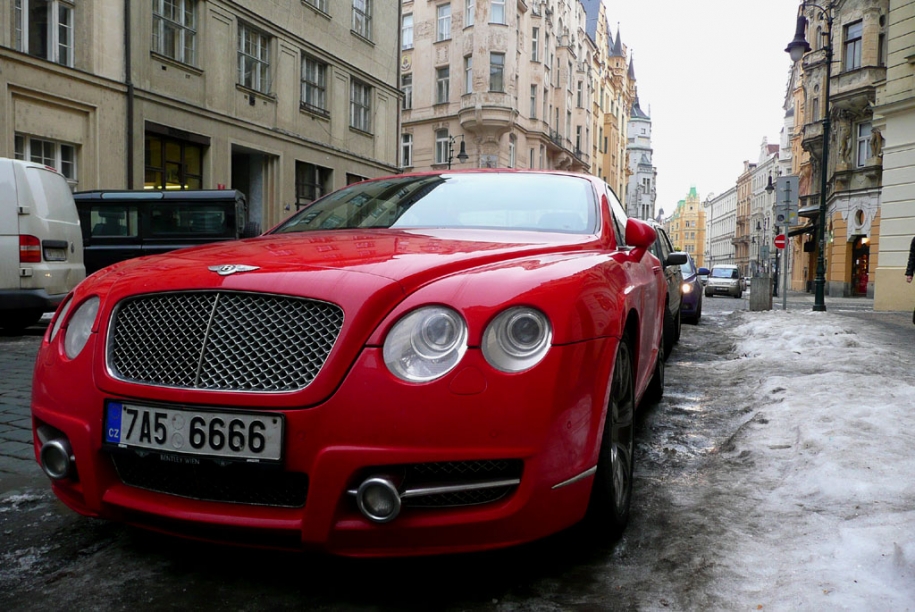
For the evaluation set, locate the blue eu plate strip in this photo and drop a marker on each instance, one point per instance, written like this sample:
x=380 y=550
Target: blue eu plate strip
x=113 y=423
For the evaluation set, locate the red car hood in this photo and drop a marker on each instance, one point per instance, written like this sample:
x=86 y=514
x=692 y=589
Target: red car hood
x=366 y=273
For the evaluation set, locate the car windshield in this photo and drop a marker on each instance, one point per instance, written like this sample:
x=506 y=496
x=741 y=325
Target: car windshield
x=687 y=268
x=724 y=273
x=540 y=202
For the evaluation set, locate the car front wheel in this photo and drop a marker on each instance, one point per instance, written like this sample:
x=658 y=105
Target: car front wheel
x=611 y=493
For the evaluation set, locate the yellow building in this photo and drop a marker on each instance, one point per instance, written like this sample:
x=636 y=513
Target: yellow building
x=686 y=227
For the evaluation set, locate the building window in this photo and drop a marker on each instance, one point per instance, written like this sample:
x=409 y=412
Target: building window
x=441 y=146
x=442 y=79
x=469 y=10
x=468 y=74
x=321 y=5
x=496 y=72
x=406 y=150
x=406 y=32
x=60 y=156
x=311 y=182
x=853 y=33
x=253 y=59
x=864 y=144
x=533 y=101
x=578 y=139
x=406 y=86
x=314 y=85
x=443 y=28
x=44 y=28
x=511 y=151
x=362 y=18
x=580 y=96
x=173 y=164
x=535 y=44
x=497 y=11
x=360 y=106
x=174 y=32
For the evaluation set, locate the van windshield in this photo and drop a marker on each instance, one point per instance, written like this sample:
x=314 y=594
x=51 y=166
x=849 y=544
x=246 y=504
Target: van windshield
x=724 y=273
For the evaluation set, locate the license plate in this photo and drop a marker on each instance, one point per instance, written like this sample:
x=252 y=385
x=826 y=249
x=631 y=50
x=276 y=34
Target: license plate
x=237 y=435
x=53 y=254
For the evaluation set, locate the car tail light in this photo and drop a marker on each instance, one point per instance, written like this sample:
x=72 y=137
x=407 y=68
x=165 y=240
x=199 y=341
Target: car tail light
x=29 y=249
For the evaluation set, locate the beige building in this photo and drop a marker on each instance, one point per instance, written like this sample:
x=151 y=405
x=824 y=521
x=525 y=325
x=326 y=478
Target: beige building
x=283 y=100
x=686 y=227
x=894 y=117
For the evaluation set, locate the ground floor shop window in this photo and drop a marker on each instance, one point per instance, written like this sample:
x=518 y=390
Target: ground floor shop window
x=173 y=164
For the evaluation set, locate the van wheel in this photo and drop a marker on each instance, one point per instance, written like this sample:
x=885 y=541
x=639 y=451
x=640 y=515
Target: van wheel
x=18 y=320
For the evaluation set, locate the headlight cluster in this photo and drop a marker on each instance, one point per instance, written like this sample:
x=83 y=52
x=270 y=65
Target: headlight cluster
x=80 y=326
x=687 y=288
x=430 y=341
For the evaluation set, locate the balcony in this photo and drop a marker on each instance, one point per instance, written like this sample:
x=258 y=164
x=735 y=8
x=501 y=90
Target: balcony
x=855 y=89
x=490 y=111
x=812 y=139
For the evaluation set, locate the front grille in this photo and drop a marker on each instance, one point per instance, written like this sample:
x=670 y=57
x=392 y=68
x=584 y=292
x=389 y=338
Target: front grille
x=222 y=340
x=239 y=483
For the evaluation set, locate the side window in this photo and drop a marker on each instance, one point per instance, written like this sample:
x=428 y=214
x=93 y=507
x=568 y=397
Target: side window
x=617 y=216
x=662 y=246
x=113 y=221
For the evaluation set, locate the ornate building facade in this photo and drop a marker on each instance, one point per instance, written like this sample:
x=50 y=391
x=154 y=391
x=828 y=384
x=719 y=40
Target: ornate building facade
x=641 y=192
x=686 y=227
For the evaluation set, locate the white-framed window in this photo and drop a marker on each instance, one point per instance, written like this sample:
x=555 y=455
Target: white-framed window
x=497 y=11
x=362 y=18
x=533 y=101
x=853 y=32
x=360 y=105
x=442 y=83
x=443 y=22
x=511 y=150
x=580 y=99
x=314 y=84
x=253 y=58
x=406 y=32
x=406 y=86
x=174 y=31
x=468 y=74
x=578 y=139
x=321 y=5
x=44 y=28
x=58 y=155
x=863 y=149
x=535 y=44
x=442 y=140
x=469 y=10
x=496 y=72
x=406 y=150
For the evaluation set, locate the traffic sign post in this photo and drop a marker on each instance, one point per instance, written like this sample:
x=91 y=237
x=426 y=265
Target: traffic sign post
x=786 y=201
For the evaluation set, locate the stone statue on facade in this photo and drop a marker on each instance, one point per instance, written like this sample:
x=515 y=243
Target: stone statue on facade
x=876 y=143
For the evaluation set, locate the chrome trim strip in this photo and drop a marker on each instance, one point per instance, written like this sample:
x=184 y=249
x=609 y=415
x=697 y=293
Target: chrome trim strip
x=489 y=484
x=574 y=479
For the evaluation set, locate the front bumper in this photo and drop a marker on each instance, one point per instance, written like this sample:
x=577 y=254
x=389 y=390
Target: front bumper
x=549 y=419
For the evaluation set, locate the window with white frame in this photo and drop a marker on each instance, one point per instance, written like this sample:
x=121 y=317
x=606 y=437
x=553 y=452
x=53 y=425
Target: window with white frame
x=253 y=58
x=362 y=18
x=496 y=72
x=44 y=28
x=442 y=82
x=406 y=32
x=864 y=143
x=580 y=96
x=468 y=74
x=58 y=155
x=406 y=86
x=497 y=11
x=511 y=150
x=853 y=32
x=443 y=22
x=535 y=44
x=469 y=9
x=174 y=32
x=406 y=150
x=360 y=105
x=533 y=101
x=321 y=5
x=314 y=84
x=441 y=146
x=578 y=139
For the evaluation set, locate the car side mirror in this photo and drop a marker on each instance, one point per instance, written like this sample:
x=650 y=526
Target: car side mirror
x=704 y=271
x=639 y=234
x=677 y=258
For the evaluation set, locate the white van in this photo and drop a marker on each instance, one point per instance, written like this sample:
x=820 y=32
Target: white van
x=41 y=247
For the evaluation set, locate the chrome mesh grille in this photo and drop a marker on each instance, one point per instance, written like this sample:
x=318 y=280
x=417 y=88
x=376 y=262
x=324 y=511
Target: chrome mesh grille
x=222 y=341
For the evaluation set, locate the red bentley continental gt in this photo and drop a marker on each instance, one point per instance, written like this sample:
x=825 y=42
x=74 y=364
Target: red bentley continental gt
x=416 y=364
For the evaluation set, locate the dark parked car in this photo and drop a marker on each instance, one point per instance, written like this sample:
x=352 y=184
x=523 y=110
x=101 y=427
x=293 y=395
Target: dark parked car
x=691 y=304
x=671 y=261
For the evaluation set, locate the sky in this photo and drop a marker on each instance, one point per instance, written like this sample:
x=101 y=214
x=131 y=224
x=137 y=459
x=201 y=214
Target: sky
x=829 y=516
x=712 y=74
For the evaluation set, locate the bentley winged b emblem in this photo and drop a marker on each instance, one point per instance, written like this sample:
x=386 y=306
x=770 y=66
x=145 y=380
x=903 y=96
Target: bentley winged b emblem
x=227 y=269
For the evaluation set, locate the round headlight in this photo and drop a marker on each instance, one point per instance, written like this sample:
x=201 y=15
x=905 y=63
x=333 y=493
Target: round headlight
x=80 y=326
x=425 y=344
x=517 y=339
x=60 y=319
x=687 y=288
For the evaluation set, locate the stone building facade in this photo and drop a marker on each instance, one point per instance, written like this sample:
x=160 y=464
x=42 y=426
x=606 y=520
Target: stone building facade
x=721 y=225
x=283 y=100
x=686 y=227
x=641 y=190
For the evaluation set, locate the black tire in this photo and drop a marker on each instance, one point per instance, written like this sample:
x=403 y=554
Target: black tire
x=17 y=320
x=670 y=331
x=611 y=492
x=678 y=324
x=655 y=390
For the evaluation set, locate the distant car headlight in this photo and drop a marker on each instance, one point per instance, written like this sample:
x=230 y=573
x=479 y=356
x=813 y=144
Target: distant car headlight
x=517 y=339
x=425 y=344
x=80 y=327
x=687 y=288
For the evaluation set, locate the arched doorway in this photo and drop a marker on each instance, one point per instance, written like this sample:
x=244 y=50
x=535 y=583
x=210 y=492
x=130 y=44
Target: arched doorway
x=859 y=266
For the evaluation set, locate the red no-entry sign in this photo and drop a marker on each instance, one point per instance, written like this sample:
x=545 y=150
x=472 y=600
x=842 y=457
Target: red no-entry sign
x=780 y=241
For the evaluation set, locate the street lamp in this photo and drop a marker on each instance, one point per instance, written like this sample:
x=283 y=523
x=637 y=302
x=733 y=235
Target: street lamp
x=796 y=49
x=769 y=189
x=462 y=153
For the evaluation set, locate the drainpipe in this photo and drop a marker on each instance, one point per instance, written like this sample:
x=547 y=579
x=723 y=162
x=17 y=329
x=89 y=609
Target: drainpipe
x=128 y=70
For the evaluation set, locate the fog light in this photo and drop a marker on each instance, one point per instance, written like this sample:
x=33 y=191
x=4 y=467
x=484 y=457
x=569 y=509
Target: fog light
x=57 y=458
x=378 y=500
